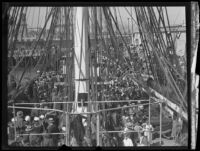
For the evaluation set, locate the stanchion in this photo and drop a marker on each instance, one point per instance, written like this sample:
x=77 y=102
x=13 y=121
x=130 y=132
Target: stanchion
x=14 y=122
x=149 y=133
x=160 y=123
x=67 y=128
x=98 y=129
x=149 y=111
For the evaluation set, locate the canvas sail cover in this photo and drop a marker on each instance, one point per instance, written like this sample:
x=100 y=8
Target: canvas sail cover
x=81 y=55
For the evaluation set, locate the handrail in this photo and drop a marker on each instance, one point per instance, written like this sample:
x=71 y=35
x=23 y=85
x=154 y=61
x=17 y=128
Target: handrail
x=124 y=107
x=110 y=101
x=40 y=134
x=172 y=105
x=74 y=113
x=35 y=108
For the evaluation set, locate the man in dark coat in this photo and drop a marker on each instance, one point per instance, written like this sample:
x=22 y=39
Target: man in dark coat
x=19 y=122
x=11 y=130
x=78 y=125
x=35 y=140
x=49 y=139
x=26 y=140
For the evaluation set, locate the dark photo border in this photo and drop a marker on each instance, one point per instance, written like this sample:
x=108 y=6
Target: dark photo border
x=4 y=121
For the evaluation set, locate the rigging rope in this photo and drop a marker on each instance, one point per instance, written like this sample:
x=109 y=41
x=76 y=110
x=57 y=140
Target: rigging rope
x=166 y=74
x=128 y=63
x=13 y=45
x=31 y=56
x=48 y=42
x=144 y=49
x=38 y=19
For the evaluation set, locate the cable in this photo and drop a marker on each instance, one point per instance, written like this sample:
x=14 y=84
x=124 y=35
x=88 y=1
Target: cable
x=31 y=54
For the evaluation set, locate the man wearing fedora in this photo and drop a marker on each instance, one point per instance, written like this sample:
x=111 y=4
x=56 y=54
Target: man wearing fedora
x=35 y=140
x=49 y=139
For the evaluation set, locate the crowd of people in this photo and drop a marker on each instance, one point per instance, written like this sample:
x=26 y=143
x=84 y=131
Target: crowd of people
x=42 y=89
x=35 y=128
x=43 y=122
x=125 y=120
x=115 y=67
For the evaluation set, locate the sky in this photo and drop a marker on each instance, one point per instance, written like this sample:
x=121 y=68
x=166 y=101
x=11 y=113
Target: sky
x=176 y=16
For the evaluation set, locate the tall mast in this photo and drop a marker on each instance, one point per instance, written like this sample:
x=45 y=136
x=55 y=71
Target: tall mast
x=81 y=54
x=99 y=32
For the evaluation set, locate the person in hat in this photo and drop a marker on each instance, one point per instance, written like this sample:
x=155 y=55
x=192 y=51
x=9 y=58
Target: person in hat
x=43 y=122
x=11 y=130
x=27 y=120
x=148 y=132
x=38 y=73
x=129 y=123
x=114 y=141
x=26 y=140
x=143 y=138
x=19 y=122
x=139 y=129
x=35 y=140
x=51 y=140
x=127 y=140
x=62 y=136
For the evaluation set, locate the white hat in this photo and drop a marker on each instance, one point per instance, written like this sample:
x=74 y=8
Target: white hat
x=36 y=119
x=13 y=119
x=50 y=119
x=27 y=118
x=41 y=116
x=28 y=128
x=125 y=129
x=144 y=124
x=141 y=107
x=64 y=128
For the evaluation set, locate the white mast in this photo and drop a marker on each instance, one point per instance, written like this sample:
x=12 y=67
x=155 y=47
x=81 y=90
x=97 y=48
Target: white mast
x=81 y=54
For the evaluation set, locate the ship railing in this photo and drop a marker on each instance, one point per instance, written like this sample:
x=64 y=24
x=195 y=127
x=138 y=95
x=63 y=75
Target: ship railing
x=97 y=113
